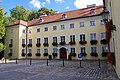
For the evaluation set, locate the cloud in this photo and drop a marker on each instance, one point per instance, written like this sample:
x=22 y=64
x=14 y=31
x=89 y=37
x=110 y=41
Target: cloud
x=59 y=1
x=67 y=7
x=35 y=3
x=48 y=1
x=43 y=4
x=83 y=3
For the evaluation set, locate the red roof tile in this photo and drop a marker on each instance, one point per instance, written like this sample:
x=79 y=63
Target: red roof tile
x=85 y=12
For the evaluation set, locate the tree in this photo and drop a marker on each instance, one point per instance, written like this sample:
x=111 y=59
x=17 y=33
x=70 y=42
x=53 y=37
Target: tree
x=2 y=28
x=20 y=13
x=46 y=11
x=33 y=15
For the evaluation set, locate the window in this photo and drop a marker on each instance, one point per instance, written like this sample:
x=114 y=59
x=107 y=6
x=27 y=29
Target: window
x=11 y=51
x=92 y=23
x=72 y=38
x=62 y=38
x=45 y=40
x=11 y=31
x=62 y=27
x=23 y=50
x=93 y=49
x=45 y=50
x=82 y=24
x=11 y=41
x=54 y=50
x=93 y=36
x=83 y=49
x=30 y=41
x=102 y=22
x=38 y=40
x=46 y=29
x=23 y=31
x=64 y=16
x=29 y=31
x=29 y=50
x=38 y=50
x=55 y=39
x=104 y=49
x=38 y=29
x=103 y=35
x=72 y=50
x=71 y=26
x=54 y=27
x=23 y=41
x=92 y=11
x=82 y=37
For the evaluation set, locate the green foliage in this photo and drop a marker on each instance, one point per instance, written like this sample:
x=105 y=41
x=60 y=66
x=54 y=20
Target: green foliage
x=2 y=28
x=20 y=13
x=46 y=11
x=33 y=15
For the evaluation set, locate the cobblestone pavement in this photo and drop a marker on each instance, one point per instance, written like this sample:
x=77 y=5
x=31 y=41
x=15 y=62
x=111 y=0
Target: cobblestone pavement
x=55 y=70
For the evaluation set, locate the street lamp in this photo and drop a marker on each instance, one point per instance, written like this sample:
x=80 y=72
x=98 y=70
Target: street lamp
x=105 y=14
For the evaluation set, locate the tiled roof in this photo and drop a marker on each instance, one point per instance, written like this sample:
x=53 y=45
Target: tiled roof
x=80 y=13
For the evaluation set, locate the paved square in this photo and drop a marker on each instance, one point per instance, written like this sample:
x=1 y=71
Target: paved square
x=55 y=71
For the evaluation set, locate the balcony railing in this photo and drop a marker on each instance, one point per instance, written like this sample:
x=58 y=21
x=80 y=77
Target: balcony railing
x=104 y=41
x=38 y=54
x=29 y=45
x=72 y=42
x=54 y=54
x=73 y=54
x=23 y=45
x=23 y=54
x=62 y=43
x=46 y=44
x=95 y=54
x=82 y=42
x=54 y=43
x=45 y=54
x=29 y=54
x=38 y=44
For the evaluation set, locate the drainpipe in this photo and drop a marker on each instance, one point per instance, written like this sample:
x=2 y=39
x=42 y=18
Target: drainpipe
x=26 y=40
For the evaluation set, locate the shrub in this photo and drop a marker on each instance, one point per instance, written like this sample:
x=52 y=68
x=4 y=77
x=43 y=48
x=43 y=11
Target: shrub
x=23 y=54
x=83 y=42
x=93 y=42
x=38 y=54
x=94 y=54
x=45 y=54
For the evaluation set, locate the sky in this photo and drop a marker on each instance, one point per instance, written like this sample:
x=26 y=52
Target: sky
x=57 y=5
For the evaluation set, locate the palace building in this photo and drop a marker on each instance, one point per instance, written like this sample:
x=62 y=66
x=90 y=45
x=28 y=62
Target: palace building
x=59 y=36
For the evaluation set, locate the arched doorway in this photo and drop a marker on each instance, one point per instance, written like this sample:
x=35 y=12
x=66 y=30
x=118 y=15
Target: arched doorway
x=63 y=53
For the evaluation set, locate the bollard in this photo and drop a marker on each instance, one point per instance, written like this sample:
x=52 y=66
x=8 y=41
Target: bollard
x=80 y=64
x=47 y=62
x=99 y=63
x=63 y=63
x=30 y=61
x=16 y=60
x=5 y=61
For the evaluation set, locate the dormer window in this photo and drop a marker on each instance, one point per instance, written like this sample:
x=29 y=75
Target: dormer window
x=64 y=16
x=92 y=11
x=41 y=20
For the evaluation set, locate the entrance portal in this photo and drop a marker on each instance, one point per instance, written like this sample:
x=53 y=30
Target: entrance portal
x=63 y=53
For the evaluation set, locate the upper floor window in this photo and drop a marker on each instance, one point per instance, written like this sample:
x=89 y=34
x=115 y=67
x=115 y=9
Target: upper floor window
x=38 y=29
x=83 y=49
x=93 y=36
x=62 y=27
x=72 y=50
x=93 y=49
x=38 y=40
x=11 y=41
x=23 y=41
x=30 y=32
x=55 y=39
x=11 y=51
x=54 y=27
x=54 y=50
x=30 y=41
x=72 y=25
x=45 y=50
x=23 y=50
x=104 y=49
x=38 y=50
x=82 y=37
x=11 y=31
x=45 y=40
x=82 y=24
x=72 y=38
x=29 y=50
x=46 y=29
x=92 y=23
x=23 y=31
x=102 y=22
x=92 y=11
x=62 y=38
x=103 y=35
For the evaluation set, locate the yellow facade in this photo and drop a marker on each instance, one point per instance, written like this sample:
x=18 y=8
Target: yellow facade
x=18 y=35
x=66 y=30
x=113 y=7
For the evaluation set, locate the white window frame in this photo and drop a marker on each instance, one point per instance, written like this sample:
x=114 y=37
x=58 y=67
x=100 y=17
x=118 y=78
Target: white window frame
x=82 y=37
x=37 y=40
x=103 y=35
x=23 y=41
x=11 y=41
x=72 y=25
x=73 y=51
x=93 y=38
x=62 y=27
x=23 y=50
x=82 y=24
x=81 y=49
x=54 y=28
x=30 y=41
x=62 y=40
x=102 y=22
x=93 y=50
x=71 y=37
x=92 y=23
x=38 y=30
x=10 y=50
x=30 y=51
x=37 y=50
x=45 y=50
x=45 y=29
x=55 y=50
